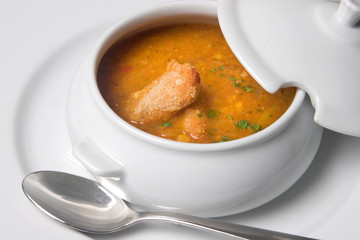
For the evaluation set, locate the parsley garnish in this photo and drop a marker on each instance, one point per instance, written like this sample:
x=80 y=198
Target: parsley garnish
x=218 y=68
x=224 y=139
x=167 y=124
x=235 y=82
x=241 y=124
x=211 y=113
x=248 y=89
x=210 y=132
x=255 y=127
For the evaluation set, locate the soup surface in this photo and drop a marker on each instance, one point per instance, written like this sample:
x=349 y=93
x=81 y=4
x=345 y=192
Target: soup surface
x=228 y=103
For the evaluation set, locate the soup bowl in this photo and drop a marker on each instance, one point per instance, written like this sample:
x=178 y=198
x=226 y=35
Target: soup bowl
x=208 y=180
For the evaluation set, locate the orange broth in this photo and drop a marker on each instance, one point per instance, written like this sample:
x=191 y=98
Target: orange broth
x=232 y=104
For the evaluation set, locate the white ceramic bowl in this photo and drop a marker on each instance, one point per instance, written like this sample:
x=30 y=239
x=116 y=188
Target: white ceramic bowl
x=201 y=179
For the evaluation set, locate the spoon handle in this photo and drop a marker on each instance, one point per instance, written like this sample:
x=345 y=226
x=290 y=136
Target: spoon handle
x=230 y=229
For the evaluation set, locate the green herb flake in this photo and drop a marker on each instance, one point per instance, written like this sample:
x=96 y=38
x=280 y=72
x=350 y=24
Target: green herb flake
x=211 y=113
x=282 y=91
x=255 y=127
x=224 y=139
x=229 y=117
x=222 y=75
x=235 y=81
x=167 y=124
x=241 y=124
x=218 y=68
x=248 y=89
x=199 y=115
x=211 y=131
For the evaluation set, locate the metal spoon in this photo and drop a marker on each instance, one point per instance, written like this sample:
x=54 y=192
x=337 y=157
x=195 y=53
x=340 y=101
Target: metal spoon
x=87 y=206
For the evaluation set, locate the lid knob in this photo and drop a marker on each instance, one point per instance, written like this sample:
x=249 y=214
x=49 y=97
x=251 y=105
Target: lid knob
x=348 y=12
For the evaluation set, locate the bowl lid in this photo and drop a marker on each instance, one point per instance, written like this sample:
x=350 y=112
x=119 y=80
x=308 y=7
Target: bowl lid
x=311 y=44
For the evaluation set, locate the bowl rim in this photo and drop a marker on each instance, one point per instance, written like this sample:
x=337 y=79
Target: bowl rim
x=154 y=12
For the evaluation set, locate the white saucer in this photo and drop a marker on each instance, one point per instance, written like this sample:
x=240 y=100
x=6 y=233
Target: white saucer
x=323 y=204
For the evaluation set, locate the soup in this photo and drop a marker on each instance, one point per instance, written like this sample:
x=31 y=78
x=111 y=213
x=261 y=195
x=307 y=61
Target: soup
x=182 y=82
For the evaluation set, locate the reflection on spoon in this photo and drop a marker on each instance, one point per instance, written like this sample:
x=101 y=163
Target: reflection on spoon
x=87 y=206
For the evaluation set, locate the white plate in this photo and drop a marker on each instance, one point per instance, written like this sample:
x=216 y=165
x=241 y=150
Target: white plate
x=41 y=46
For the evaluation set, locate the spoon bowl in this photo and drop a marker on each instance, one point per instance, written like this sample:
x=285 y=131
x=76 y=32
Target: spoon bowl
x=78 y=202
x=87 y=206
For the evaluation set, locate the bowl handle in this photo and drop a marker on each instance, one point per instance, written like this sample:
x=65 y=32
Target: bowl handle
x=348 y=12
x=96 y=160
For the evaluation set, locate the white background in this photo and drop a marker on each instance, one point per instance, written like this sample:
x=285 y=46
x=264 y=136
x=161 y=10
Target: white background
x=41 y=44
